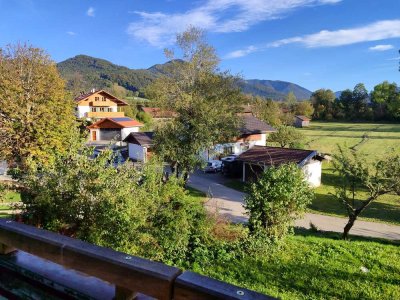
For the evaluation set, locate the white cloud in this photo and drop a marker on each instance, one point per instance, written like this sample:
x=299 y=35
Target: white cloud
x=381 y=48
x=380 y=30
x=394 y=58
x=71 y=33
x=90 y=12
x=159 y=29
x=241 y=53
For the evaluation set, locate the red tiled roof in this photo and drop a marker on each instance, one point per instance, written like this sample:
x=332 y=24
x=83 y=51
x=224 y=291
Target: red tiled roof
x=275 y=156
x=120 y=122
x=84 y=96
x=157 y=112
x=303 y=118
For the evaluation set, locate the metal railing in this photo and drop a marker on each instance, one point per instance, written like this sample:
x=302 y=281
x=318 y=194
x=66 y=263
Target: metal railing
x=130 y=274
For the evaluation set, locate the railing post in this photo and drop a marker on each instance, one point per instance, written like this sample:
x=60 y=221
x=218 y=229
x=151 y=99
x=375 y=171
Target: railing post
x=122 y=293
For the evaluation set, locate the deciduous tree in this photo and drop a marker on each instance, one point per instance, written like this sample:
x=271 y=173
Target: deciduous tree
x=36 y=118
x=286 y=136
x=205 y=100
x=359 y=178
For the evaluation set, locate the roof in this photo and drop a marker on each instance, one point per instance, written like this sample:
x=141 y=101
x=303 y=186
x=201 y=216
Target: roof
x=252 y=125
x=275 y=156
x=157 y=112
x=303 y=118
x=113 y=98
x=120 y=122
x=140 y=138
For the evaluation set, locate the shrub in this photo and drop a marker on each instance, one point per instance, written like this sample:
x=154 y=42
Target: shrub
x=279 y=197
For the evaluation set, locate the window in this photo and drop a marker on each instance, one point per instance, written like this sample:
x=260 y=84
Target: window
x=103 y=99
x=101 y=108
x=96 y=98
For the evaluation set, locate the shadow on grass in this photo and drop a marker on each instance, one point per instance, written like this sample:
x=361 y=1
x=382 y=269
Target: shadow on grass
x=298 y=231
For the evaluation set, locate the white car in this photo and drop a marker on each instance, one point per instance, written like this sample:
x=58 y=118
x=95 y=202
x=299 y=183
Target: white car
x=213 y=166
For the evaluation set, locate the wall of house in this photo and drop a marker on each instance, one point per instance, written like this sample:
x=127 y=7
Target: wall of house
x=313 y=172
x=262 y=141
x=97 y=134
x=82 y=110
x=126 y=131
x=136 y=152
x=91 y=101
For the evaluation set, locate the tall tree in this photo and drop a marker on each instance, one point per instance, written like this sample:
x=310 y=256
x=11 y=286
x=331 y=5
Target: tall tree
x=304 y=108
x=268 y=111
x=322 y=101
x=383 y=94
x=291 y=100
x=206 y=102
x=36 y=118
x=359 y=178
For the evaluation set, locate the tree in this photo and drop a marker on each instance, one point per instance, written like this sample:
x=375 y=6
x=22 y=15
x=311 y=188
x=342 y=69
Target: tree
x=37 y=120
x=286 y=136
x=277 y=199
x=356 y=175
x=304 y=108
x=291 y=100
x=323 y=100
x=206 y=102
x=124 y=208
x=383 y=94
x=268 y=111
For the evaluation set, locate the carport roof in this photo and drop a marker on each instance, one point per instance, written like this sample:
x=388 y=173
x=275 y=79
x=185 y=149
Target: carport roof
x=274 y=156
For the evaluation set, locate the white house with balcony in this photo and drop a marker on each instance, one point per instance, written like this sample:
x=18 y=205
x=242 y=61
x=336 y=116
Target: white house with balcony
x=99 y=104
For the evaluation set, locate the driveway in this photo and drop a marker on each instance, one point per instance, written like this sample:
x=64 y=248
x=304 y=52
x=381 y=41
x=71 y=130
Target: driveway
x=228 y=203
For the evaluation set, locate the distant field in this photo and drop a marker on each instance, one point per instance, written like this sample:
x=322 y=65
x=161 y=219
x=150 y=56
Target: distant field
x=373 y=140
x=368 y=138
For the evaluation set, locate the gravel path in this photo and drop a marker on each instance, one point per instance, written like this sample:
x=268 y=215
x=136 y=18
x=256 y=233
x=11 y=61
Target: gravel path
x=228 y=203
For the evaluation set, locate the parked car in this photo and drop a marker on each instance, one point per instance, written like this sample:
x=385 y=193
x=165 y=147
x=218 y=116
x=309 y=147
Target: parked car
x=213 y=166
x=229 y=158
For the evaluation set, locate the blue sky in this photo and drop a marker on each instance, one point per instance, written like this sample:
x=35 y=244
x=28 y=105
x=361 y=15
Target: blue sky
x=315 y=43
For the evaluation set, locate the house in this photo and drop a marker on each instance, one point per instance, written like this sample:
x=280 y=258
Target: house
x=301 y=121
x=257 y=159
x=113 y=129
x=140 y=145
x=99 y=104
x=253 y=132
x=157 y=113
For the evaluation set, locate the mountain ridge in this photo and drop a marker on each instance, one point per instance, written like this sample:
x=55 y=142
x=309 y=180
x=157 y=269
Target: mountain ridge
x=83 y=72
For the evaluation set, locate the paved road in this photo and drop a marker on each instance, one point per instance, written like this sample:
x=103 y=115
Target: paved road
x=228 y=203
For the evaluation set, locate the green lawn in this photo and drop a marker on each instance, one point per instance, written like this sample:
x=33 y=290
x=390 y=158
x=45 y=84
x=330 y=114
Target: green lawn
x=373 y=140
x=315 y=266
x=12 y=196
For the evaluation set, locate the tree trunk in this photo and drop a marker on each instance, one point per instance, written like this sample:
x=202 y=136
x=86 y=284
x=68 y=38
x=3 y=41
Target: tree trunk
x=348 y=226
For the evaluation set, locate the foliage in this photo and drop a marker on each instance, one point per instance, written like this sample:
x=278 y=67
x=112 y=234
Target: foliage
x=124 y=208
x=205 y=100
x=315 y=266
x=36 y=118
x=267 y=110
x=304 y=108
x=290 y=100
x=386 y=101
x=276 y=199
x=323 y=101
x=287 y=136
x=378 y=178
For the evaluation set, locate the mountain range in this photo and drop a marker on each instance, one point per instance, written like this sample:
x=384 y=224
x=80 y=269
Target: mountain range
x=83 y=73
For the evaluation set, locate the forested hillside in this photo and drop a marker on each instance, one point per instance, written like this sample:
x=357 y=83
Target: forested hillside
x=83 y=73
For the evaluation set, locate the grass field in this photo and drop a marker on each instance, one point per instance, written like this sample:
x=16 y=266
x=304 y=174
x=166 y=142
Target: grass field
x=373 y=140
x=315 y=266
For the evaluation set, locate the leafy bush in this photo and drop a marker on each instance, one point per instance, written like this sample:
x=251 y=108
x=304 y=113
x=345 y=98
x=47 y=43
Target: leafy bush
x=279 y=197
x=123 y=208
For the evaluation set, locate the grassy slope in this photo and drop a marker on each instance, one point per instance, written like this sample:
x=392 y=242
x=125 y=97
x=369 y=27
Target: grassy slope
x=317 y=267
x=374 y=140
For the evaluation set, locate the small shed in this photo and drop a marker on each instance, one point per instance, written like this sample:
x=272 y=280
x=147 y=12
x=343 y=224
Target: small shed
x=113 y=129
x=258 y=158
x=302 y=121
x=140 y=145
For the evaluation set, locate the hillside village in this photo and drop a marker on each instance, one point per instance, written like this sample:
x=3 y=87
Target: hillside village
x=187 y=180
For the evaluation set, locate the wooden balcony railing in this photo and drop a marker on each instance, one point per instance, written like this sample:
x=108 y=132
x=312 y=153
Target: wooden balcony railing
x=131 y=276
x=105 y=114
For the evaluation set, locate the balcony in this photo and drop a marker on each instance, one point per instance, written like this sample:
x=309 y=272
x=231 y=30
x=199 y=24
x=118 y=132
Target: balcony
x=48 y=265
x=105 y=114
